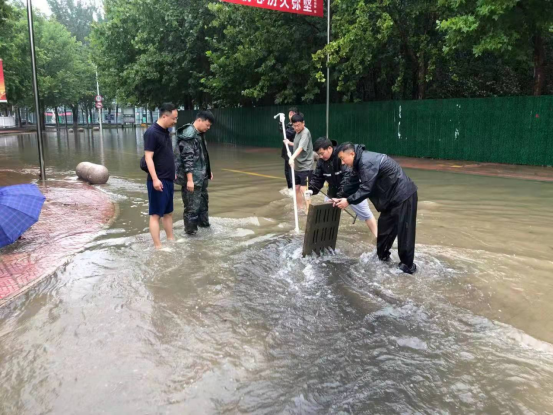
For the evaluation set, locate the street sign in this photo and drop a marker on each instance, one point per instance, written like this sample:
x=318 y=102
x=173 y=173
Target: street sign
x=99 y=105
x=99 y=98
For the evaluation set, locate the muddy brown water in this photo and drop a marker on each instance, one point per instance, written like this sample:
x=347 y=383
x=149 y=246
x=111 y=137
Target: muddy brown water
x=234 y=320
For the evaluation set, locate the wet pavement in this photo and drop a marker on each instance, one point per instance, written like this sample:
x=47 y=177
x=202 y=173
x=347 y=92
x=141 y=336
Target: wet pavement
x=72 y=216
x=236 y=321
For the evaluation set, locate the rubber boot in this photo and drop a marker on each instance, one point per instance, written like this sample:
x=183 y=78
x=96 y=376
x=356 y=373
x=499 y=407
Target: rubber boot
x=203 y=221
x=406 y=269
x=190 y=227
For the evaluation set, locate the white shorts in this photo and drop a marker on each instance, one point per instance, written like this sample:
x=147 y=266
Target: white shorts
x=362 y=210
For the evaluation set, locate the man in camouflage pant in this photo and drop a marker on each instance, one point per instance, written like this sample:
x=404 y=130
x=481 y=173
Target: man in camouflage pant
x=194 y=171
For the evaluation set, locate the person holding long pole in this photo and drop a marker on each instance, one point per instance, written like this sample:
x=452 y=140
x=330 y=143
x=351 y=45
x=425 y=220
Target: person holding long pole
x=285 y=152
x=302 y=158
x=287 y=146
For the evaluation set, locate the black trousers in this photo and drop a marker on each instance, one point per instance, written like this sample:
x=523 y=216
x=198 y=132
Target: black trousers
x=288 y=173
x=400 y=221
x=196 y=206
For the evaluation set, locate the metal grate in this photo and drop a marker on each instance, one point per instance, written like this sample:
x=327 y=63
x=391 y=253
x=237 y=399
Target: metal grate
x=321 y=231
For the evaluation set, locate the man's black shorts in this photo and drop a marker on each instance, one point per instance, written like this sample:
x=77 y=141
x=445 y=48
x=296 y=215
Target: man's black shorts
x=302 y=176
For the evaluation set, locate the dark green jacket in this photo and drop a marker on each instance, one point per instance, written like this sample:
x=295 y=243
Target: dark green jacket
x=191 y=156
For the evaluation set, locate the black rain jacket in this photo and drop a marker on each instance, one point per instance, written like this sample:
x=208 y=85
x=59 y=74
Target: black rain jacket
x=331 y=171
x=379 y=178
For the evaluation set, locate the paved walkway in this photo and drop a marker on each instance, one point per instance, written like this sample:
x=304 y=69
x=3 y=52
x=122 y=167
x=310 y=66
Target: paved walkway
x=72 y=215
x=544 y=174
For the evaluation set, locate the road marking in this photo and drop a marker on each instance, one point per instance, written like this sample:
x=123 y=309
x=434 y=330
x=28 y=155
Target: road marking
x=253 y=174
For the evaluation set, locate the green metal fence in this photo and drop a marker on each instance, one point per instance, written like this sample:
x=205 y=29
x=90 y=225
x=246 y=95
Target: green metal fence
x=517 y=130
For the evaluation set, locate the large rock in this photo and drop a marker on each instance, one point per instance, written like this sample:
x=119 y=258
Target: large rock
x=92 y=173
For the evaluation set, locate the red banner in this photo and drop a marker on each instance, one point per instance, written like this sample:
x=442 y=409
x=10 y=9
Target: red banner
x=3 y=97
x=307 y=7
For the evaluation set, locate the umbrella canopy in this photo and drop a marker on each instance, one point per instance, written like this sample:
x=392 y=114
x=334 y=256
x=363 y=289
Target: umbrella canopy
x=20 y=207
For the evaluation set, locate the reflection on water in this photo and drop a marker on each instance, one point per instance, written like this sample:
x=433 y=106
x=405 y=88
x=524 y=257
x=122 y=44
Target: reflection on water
x=235 y=321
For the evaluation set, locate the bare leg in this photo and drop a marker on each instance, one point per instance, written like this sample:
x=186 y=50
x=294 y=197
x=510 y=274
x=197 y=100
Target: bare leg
x=154 y=230
x=167 y=221
x=302 y=203
x=371 y=223
x=299 y=197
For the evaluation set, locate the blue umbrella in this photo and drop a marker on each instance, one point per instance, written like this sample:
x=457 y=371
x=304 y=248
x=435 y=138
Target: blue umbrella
x=20 y=207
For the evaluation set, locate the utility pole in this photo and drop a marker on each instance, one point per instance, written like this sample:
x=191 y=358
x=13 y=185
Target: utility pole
x=35 y=89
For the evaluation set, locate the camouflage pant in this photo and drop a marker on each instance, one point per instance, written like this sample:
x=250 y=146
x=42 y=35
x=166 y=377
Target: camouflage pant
x=195 y=208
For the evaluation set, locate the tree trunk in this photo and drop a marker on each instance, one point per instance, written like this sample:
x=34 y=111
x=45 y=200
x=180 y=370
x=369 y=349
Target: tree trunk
x=421 y=78
x=56 y=114
x=151 y=117
x=65 y=116
x=539 y=64
x=42 y=116
x=18 y=114
x=116 y=113
x=75 y=111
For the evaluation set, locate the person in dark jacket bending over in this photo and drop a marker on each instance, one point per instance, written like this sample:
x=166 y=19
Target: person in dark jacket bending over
x=392 y=193
x=194 y=171
x=330 y=169
x=290 y=134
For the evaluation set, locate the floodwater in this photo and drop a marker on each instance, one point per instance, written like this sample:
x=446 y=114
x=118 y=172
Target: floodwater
x=234 y=320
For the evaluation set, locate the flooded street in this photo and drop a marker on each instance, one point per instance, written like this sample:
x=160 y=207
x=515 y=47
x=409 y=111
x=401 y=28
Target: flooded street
x=234 y=320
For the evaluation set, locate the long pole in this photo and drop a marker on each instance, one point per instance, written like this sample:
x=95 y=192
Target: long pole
x=35 y=89
x=282 y=116
x=327 y=67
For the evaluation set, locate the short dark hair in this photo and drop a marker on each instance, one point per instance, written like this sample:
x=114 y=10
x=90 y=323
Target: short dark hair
x=166 y=108
x=347 y=147
x=295 y=110
x=321 y=142
x=205 y=116
x=297 y=118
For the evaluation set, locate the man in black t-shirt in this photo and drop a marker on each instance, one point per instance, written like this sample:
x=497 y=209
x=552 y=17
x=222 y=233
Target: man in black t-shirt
x=158 y=153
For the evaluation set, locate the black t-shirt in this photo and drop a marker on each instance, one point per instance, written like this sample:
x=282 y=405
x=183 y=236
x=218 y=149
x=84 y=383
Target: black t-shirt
x=158 y=140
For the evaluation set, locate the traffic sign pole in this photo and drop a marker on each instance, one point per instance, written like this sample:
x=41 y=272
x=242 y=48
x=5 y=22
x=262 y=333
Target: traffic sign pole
x=100 y=108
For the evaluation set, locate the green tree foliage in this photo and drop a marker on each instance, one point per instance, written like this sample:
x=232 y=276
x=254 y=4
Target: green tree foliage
x=65 y=74
x=383 y=49
x=153 y=51
x=77 y=17
x=15 y=52
x=197 y=53
x=200 y=53
x=5 y=11
x=519 y=31
x=263 y=57
x=57 y=60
